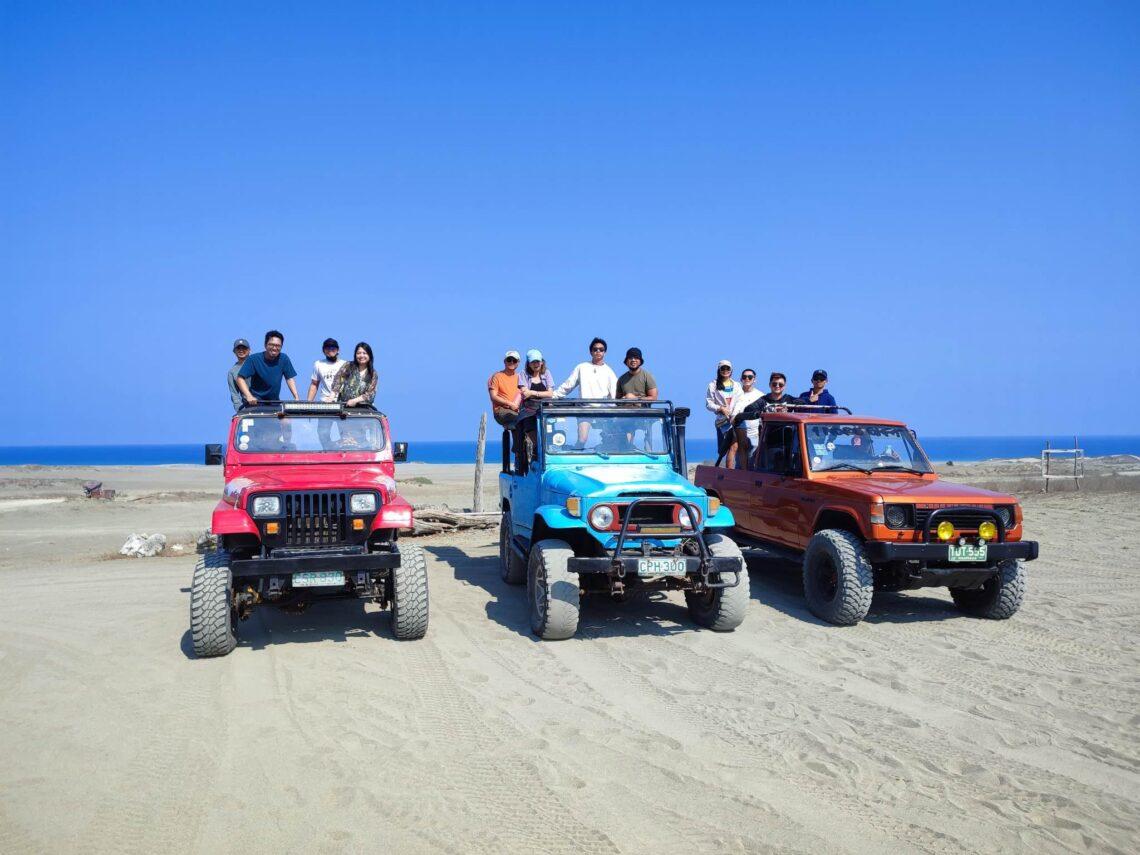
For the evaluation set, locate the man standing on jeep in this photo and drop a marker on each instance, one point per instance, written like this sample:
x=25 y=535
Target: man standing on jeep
x=325 y=371
x=241 y=351
x=636 y=383
x=818 y=394
x=260 y=377
x=594 y=380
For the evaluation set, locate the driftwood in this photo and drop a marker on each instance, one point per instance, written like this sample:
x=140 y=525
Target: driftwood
x=429 y=520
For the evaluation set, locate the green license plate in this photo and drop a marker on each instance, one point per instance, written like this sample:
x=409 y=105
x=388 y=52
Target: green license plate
x=661 y=566
x=968 y=553
x=319 y=579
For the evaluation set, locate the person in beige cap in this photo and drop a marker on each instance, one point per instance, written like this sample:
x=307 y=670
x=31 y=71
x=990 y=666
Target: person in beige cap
x=241 y=351
x=503 y=387
x=718 y=400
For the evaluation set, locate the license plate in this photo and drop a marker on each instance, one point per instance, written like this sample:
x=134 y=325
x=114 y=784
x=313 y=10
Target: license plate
x=968 y=553
x=319 y=579
x=660 y=566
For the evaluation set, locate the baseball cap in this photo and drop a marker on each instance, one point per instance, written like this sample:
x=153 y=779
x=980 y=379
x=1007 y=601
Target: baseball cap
x=330 y=342
x=240 y=342
x=534 y=355
x=724 y=362
x=819 y=374
x=511 y=353
x=634 y=353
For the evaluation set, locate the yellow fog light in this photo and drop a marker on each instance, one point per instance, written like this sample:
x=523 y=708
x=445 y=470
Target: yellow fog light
x=574 y=506
x=945 y=530
x=272 y=528
x=714 y=505
x=358 y=525
x=987 y=531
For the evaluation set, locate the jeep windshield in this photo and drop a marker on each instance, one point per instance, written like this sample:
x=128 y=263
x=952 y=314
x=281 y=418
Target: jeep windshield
x=272 y=434
x=866 y=447
x=610 y=434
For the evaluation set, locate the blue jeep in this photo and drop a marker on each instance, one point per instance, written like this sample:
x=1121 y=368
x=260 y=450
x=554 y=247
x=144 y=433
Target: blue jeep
x=595 y=500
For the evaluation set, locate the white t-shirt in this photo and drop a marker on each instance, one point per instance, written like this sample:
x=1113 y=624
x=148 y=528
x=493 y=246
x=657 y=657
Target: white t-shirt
x=324 y=372
x=742 y=400
x=593 y=381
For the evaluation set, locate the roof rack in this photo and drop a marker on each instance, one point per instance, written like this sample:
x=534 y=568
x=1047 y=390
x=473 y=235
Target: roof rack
x=594 y=403
x=285 y=408
x=807 y=408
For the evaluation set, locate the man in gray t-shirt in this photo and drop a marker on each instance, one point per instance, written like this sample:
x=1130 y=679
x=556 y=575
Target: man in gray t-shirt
x=241 y=351
x=636 y=383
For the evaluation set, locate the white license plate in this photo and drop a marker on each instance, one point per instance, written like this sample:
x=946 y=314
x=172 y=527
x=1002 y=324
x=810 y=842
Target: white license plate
x=660 y=566
x=319 y=579
x=968 y=553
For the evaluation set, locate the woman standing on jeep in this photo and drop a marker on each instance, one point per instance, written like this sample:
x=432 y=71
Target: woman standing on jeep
x=355 y=383
x=718 y=400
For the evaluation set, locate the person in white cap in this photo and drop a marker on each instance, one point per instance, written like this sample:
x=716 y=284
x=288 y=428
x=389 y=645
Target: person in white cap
x=536 y=382
x=718 y=400
x=503 y=387
x=241 y=351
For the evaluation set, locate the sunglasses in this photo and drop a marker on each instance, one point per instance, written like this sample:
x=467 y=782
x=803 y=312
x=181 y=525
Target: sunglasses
x=510 y=359
x=776 y=385
x=724 y=368
x=597 y=350
x=747 y=376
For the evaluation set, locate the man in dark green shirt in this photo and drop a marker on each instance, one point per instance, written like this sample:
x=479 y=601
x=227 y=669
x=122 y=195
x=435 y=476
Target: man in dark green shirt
x=636 y=383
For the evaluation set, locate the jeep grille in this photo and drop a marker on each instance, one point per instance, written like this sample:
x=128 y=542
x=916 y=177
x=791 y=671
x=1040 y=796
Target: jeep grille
x=316 y=519
x=963 y=520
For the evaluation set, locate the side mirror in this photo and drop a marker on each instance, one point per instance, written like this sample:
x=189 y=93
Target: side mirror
x=400 y=452
x=214 y=454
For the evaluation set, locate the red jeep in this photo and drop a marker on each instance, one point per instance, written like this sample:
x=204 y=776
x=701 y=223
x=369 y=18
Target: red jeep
x=857 y=501
x=309 y=511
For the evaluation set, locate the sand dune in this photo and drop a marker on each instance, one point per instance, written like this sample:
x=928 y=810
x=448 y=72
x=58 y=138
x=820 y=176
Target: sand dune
x=917 y=731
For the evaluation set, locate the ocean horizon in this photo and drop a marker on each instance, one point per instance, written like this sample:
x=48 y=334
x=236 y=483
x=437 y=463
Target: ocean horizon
x=940 y=449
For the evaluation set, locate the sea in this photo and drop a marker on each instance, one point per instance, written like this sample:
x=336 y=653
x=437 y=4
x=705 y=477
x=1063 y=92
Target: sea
x=940 y=449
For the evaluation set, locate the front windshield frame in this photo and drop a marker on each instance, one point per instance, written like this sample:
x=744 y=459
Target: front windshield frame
x=862 y=446
x=615 y=435
x=309 y=434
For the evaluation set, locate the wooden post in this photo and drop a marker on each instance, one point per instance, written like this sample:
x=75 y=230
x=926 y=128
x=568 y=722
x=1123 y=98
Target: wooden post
x=1076 y=478
x=1048 y=457
x=477 y=505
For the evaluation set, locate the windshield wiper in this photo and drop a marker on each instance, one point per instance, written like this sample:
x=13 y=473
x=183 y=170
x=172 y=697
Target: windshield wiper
x=898 y=467
x=843 y=465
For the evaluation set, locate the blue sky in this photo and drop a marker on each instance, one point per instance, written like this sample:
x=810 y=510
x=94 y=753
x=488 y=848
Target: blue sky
x=938 y=203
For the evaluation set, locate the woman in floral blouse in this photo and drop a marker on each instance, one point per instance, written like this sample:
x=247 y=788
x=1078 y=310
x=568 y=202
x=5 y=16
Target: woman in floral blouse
x=355 y=383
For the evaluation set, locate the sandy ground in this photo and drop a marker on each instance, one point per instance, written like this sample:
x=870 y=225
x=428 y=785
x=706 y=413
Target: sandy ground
x=917 y=731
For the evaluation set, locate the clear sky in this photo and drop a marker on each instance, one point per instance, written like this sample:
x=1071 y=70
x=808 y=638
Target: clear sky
x=939 y=203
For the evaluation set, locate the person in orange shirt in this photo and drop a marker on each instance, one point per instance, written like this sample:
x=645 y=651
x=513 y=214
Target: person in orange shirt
x=503 y=387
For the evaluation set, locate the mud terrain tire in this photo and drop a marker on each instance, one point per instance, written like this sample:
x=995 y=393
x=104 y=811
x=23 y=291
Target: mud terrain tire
x=511 y=567
x=721 y=609
x=211 y=606
x=410 y=595
x=1001 y=595
x=552 y=591
x=838 y=579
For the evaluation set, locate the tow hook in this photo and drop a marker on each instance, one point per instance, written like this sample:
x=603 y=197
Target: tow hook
x=246 y=600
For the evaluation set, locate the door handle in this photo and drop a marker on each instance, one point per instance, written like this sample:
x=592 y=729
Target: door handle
x=758 y=483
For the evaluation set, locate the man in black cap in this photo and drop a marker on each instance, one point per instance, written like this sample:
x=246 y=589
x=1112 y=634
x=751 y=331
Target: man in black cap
x=241 y=351
x=818 y=394
x=636 y=383
x=325 y=371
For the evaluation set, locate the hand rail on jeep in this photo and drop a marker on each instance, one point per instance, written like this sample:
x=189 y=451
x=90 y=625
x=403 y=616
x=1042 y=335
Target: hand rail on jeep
x=286 y=408
x=592 y=405
x=694 y=534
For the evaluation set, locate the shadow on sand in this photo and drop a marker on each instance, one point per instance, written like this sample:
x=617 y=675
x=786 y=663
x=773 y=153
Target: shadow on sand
x=601 y=616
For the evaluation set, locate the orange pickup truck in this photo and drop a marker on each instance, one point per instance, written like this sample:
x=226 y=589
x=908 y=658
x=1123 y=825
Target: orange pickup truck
x=856 y=499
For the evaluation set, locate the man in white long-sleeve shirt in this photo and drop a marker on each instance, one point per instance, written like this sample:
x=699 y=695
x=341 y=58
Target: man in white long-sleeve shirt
x=594 y=380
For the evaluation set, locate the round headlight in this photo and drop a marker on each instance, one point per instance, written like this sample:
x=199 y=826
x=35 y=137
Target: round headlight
x=896 y=516
x=683 y=518
x=945 y=530
x=987 y=531
x=266 y=506
x=602 y=517
x=362 y=503
x=1006 y=514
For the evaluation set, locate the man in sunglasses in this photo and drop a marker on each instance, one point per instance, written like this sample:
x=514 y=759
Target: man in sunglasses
x=818 y=394
x=594 y=380
x=503 y=387
x=775 y=399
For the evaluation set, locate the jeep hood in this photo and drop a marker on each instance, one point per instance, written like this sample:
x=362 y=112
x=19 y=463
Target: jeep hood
x=338 y=477
x=918 y=490
x=609 y=480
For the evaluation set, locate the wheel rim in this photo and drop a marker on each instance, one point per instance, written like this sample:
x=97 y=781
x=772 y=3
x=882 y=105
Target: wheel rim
x=538 y=595
x=825 y=577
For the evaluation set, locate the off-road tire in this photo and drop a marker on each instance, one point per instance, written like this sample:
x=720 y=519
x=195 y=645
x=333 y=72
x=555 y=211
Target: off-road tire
x=552 y=591
x=1001 y=595
x=511 y=567
x=721 y=609
x=838 y=578
x=211 y=606
x=410 y=594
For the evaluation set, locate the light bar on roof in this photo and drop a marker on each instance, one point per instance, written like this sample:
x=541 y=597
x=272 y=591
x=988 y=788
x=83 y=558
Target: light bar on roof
x=312 y=406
